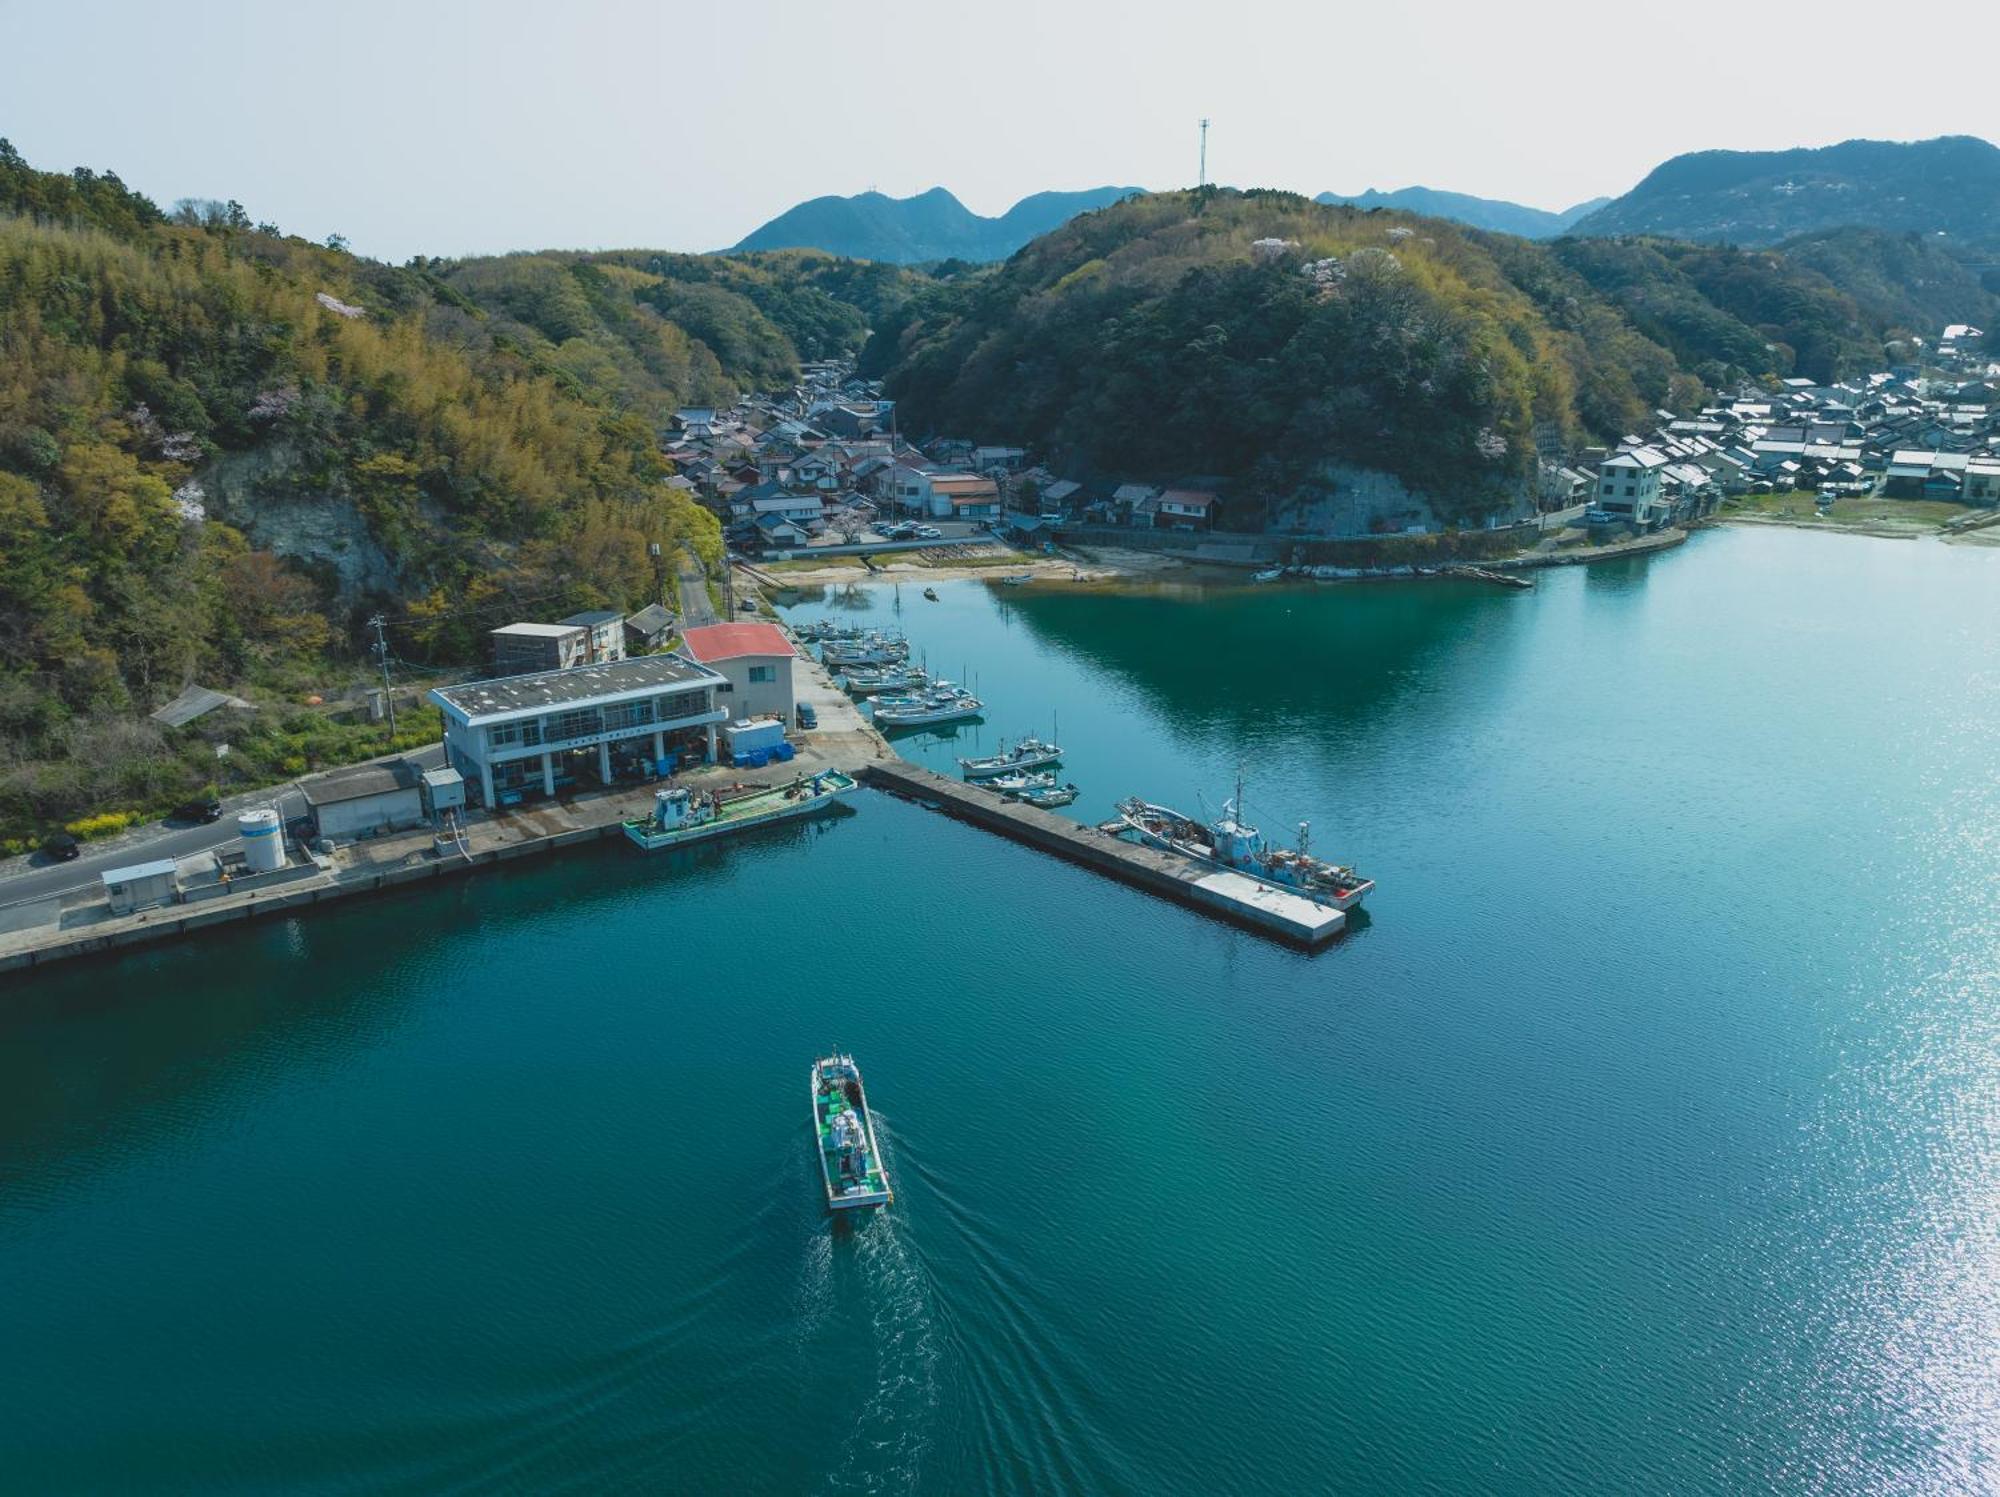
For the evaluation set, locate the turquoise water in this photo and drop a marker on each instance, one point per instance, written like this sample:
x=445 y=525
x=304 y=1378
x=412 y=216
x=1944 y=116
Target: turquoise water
x=1645 y=1139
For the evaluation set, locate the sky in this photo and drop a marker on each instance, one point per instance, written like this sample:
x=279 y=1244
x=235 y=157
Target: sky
x=455 y=128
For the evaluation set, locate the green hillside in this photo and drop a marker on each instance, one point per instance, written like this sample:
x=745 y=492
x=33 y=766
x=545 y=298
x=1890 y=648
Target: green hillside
x=222 y=448
x=1149 y=340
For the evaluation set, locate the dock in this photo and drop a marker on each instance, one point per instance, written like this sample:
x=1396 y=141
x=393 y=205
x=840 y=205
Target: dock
x=1234 y=897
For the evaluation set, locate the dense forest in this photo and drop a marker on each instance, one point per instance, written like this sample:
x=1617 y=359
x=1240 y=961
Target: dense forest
x=1156 y=339
x=223 y=448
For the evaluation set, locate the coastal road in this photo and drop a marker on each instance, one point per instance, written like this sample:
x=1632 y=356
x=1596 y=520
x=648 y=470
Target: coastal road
x=31 y=886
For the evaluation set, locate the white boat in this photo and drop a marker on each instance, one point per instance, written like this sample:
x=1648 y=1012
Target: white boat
x=1019 y=783
x=850 y=1162
x=1269 y=574
x=1051 y=798
x=1232 y=843
x=868 y=681
x=1029 y=753
x=936 y=709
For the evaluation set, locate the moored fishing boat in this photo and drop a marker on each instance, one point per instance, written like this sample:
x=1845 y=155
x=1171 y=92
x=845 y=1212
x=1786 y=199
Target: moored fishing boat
x=681 y=815
x=929 y=711
x=1019 y=783
x=1232 y=843
x=1028 y=753
x=849 y=1162
x=868 y=681
x=1269 y=574
x=1050 y=799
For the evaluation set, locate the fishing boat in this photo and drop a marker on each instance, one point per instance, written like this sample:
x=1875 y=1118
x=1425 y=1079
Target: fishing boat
x=874 y=650
x=930 y=594
x=1029 y=753
x=868 y=681
x=849 y=1161
x=681 y=815
x=1017 y=578
x=1019 y=783
x=1232 y=843
x=1269 y=574
x=1050 y=799
x=930 y=711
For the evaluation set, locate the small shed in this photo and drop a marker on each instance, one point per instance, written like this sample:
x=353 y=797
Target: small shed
x=141 y=886
x=366 y=799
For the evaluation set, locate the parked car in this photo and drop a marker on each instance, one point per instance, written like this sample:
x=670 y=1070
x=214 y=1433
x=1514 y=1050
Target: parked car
x=808 y=718
x=201 y=811
x=61 y=847
x=929 y=533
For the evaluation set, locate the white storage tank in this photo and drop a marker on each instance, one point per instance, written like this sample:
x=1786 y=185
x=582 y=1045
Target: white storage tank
x=263 y=839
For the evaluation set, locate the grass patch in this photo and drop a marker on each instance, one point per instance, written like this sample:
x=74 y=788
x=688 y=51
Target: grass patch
x=1798 y=504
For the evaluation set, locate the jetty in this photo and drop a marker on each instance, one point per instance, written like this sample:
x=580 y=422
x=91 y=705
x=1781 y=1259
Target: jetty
x=1235 y=897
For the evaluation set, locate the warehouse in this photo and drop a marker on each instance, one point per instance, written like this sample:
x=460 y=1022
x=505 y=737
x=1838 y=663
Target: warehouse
x=364 y=800
x=531 y=735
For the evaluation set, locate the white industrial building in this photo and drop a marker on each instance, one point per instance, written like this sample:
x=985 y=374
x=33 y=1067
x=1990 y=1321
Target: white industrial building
x=525 y=735
x=755 y=660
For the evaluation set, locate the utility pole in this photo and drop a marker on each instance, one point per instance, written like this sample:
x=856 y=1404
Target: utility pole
x=379 y=624
x=1204 y=154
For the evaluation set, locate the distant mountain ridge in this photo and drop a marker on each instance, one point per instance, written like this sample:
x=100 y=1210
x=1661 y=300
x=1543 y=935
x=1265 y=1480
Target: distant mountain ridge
x=1496 y=214
x=932 y=225
x=1949 y=185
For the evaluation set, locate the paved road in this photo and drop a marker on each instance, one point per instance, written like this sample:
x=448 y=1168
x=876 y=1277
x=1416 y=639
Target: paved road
x=32 y=882
x=696 y=610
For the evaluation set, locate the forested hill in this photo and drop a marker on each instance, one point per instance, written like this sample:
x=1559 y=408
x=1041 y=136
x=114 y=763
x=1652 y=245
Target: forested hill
x=932 y=225
x=222 y=447
x=1475 y=212
x=1948 y=186
x=1157 y=339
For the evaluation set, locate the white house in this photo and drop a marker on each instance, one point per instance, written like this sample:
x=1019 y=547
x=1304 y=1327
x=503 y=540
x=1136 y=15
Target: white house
x=605 y=628
x=1628 y=486
x=756 y=662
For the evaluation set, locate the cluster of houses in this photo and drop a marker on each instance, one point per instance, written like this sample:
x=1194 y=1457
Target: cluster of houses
x=1905 y=435
x=825 y=464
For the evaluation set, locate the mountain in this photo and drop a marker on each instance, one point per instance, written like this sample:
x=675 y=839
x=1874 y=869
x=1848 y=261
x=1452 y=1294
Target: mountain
x=1480 y=213
x=932 y=225
x=1257 y=337
x=1950 y=185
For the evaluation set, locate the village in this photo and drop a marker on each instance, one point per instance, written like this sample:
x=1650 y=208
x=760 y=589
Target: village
x=823 y=473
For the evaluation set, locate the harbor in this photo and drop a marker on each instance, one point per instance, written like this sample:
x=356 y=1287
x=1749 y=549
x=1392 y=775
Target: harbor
x=526 y=1154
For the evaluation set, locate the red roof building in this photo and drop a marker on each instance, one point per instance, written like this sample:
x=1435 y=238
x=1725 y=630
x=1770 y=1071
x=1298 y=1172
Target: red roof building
x=710 y=643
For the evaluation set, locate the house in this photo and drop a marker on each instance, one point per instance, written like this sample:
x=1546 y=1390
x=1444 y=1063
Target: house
x=519 y=648
x=526 y=735
x=364 y=800
x=986 y=459
x=648 y=629
x=1982 y=481
x=963 y=496
x=1060 y=496
x=606 y=630
x=755 y=660
x=1185 y=509
x=776 y=533
x=1628 y=486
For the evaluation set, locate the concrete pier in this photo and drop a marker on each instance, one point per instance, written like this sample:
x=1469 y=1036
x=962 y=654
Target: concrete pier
x=1242 y=900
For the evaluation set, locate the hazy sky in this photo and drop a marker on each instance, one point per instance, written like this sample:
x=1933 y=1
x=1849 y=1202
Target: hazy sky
x=458 y=128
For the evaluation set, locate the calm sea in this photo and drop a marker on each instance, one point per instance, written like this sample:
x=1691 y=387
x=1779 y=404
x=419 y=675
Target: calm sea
x=1645 y=1139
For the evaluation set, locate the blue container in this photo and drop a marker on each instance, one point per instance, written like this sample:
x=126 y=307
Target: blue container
x=783 y=752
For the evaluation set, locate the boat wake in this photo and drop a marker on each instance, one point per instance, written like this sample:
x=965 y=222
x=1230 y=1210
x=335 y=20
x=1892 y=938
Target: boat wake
x=872 y=1265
